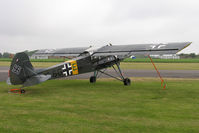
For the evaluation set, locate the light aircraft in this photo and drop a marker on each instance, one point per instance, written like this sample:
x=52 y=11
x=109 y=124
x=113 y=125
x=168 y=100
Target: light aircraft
x=87 y=59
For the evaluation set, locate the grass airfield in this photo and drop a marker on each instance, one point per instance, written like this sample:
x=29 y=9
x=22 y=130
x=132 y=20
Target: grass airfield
x=106 y=106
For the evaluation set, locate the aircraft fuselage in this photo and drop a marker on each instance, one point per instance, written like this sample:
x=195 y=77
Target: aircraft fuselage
x=79 y=65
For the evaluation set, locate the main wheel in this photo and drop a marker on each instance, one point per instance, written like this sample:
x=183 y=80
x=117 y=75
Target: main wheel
x=92 y=79
x=23 y=91
x=127 y=81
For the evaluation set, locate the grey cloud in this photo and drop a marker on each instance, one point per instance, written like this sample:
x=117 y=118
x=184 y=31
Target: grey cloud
x=27 y=24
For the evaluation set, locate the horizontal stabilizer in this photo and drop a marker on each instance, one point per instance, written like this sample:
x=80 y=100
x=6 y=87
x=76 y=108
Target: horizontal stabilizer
x=36 y=79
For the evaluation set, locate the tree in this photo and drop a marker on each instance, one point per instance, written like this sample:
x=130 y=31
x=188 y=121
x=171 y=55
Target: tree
x=1 y=55
x=6 y=55
x=192 y=55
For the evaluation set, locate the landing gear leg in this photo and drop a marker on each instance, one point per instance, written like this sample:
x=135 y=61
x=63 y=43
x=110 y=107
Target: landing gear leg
x=94 y=77
x=118 y=71
x=126 y=81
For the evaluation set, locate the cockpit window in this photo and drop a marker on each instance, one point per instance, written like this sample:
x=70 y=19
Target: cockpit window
x=85 y=54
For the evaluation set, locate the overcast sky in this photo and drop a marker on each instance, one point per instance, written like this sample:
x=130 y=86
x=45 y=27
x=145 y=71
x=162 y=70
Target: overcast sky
x=38 y=24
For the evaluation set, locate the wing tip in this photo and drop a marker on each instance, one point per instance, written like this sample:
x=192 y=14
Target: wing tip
x=186 y=45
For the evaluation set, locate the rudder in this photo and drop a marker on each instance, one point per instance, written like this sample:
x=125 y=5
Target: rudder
x=20 y=69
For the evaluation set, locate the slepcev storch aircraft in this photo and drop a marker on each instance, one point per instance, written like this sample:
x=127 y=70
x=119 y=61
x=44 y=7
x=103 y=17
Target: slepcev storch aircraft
x=87 y=59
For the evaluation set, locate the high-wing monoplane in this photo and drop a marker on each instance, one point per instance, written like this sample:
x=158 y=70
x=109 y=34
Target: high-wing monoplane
x=86 y=59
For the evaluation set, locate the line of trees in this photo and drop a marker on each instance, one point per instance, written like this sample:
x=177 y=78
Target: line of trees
x=182 y=56
x=191 y=55
x=5 y=55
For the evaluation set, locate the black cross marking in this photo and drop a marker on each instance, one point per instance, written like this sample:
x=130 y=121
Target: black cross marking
x=67 y=69
x=16 y=69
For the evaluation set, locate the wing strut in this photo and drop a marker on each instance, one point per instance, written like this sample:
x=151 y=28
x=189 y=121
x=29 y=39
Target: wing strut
x=163 y=84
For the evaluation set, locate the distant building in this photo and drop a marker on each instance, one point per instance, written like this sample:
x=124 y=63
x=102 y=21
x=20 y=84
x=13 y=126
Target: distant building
x=39 y=57
x=44 y=54
x=170 y=56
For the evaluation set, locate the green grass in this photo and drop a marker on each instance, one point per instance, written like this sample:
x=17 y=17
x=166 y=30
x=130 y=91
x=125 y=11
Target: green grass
x=5 y=59
x=160 y=66
x=107 y=106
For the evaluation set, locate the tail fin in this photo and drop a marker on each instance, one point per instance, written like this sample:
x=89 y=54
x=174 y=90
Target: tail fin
x=20 y=69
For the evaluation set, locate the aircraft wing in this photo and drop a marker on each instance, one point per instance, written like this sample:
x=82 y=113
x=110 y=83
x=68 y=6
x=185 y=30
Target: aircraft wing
x=141 y=49
x=61 y=52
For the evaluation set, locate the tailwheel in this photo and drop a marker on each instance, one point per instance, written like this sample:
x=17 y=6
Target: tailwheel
x=23 y=91
x=127 y=81
x=20 y=91
x=92 y=79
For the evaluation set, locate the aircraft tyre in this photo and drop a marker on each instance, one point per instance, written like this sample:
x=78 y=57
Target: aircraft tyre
x=127 y=81
x=92 y=79
x=23 y=91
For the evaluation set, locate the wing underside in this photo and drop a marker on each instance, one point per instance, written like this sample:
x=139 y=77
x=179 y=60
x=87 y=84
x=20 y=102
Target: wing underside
x=119 y=50
x=141 y=49
x=61 y=52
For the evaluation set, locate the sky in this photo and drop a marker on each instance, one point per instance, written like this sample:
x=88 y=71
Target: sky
x=47 y=24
